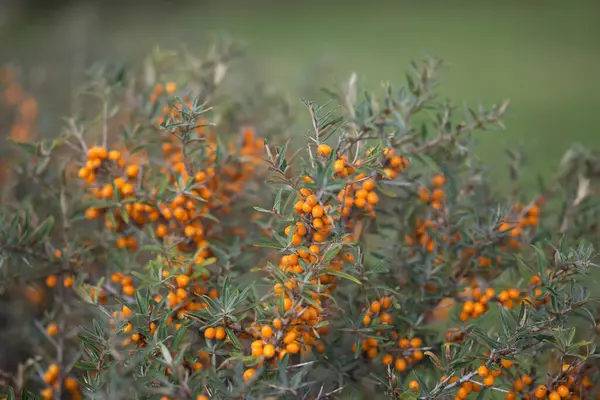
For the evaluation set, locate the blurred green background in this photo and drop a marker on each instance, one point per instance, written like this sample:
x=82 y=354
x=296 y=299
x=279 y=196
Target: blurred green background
x=542 y=55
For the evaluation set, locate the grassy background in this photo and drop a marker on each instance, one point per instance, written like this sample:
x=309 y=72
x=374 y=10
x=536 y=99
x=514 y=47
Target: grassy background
x=543 y=56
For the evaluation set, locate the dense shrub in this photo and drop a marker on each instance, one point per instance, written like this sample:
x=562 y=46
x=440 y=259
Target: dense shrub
x=174 y=244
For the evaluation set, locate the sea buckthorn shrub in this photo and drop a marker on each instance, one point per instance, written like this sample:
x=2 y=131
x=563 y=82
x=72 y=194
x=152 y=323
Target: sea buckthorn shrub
x=181 y=240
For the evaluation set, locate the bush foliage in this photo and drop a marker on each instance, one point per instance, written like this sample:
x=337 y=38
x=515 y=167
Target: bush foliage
x=175 y=242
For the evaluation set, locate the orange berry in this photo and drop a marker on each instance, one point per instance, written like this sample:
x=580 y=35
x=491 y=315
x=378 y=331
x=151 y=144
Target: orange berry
x=51 y=281
x=506 y=363
x=414 y=386
x=416 y=342
x=400 y=365
x=324 y=150
x=266 y=331
x=375 y=307
x=372 y=198
x=71 y=383
x=418 y=355
x=52 y=329
x=132 y=171
x=518 y=385
x=488 y=380
x=248 y=374
x=462 y=393
x=526 y=379
x=201 y=396
x=510 y=395
x=257 y=351
x=47 y=394
x=83 y=173
x=220 y=333
x=368 y=185
x=182 y=280
x=438 y=180
x=269 y=351
x=127 y=189
x=554 y=396
x=293 y=348
x=438 y=195
x=189 y=231
x=338 y=166
x=563 y=391
x=128 y=290
x=114 y=155
x=170 y=87
x=540 y=392
x=68 y=282
x=317 y=211
x=210 y=333
x=482 y=371
x=387 y=359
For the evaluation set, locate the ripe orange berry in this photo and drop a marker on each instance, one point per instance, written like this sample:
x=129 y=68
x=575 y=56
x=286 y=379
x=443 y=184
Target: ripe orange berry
x=416 y=342
x=71 y=383
x=248 y=374
x=488 y=380
x=372 y=198
x=563 y=391
x=257 y=351
x=210 y=333
x=132 y=171
x=170 y=87
x=51 y=281
x=317 y=211
x=462 y=393
x=182 y=280
x=518 y=385
x=287 y=304
x=387 y=359
x=189 y=231
x=438 y=180
x=220 y=333
x=510 y=395
x=266 y=331
x=52 y=329
x=482 y=371
x=338 y=166
x=540 y=392
x=201 y=396
x=414 y=386
x=161 y=230
x=127 y=189
x=375 y=307
x=526 y=379
x=554 y=396
x=324 y=150
x=400 y=365
x=47 y=394
x=293 y=348
x=269 y=351
x=368 y=185
x=506 y=363
x=128 y=290
x=68 y=282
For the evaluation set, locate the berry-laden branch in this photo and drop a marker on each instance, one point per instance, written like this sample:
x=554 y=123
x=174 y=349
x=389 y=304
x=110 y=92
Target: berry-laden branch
x=198 y=256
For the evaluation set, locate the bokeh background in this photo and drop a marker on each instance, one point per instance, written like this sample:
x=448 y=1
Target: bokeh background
x=543 y=55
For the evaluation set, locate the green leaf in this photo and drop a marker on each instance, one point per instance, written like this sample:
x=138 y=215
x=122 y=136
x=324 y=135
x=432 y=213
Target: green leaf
x=263 y=210
x=332 y=252
x=344 y=275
